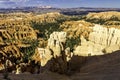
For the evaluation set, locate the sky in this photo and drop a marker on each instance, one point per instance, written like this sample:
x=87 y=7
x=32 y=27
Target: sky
x=61 y=3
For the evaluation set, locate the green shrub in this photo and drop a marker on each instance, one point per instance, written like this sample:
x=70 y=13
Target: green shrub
x=72 y=42
x=29 y=51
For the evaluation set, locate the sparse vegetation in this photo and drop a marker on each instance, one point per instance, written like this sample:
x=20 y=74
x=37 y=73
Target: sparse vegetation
x=104 y=18
x=29 y=51
x=72 y=42
x=22 y=34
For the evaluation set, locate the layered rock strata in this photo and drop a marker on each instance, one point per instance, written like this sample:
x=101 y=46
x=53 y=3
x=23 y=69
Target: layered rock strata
x=101 y=41
x=55 y=55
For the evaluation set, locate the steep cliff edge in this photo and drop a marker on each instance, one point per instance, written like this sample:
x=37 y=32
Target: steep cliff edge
x=92 y=39
x=53 y=55
x=101 y=40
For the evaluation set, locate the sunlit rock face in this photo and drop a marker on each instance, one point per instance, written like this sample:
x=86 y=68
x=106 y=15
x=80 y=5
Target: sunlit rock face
x=102 y=40
x=54 y=52
x=56 y=41
x=54 y=48
x=42 y=56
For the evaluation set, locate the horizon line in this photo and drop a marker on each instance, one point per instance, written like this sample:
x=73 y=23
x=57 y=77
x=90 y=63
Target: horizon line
x=59 y=7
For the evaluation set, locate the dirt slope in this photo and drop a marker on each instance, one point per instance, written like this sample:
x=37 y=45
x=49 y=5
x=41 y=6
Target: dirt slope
x=106 y=67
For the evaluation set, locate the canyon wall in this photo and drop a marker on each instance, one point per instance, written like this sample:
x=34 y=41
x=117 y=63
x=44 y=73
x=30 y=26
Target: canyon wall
x=55 y=55
x=101 y=40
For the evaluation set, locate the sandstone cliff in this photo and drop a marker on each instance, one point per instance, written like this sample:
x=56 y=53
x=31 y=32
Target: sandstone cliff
x=101 y=40
x=55 y=55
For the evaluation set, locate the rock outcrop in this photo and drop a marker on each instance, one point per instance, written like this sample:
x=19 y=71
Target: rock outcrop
x=42 y=55
x=101 y=41
x=56 y=43
x=55 y=53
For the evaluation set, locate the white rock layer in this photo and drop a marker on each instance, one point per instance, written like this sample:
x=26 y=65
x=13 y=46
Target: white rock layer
x=102 y=40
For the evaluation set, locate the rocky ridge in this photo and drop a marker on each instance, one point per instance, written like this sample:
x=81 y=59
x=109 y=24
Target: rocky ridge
x=104 y=15
x=76 y=28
